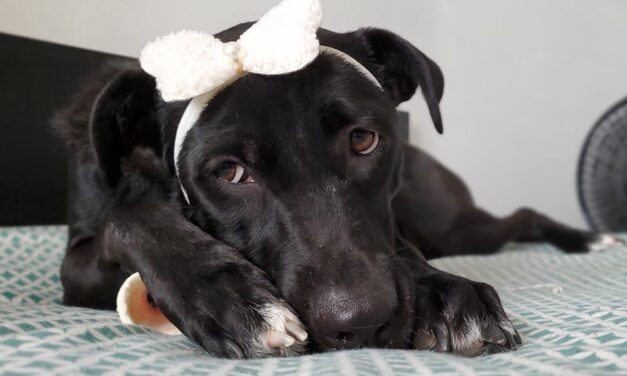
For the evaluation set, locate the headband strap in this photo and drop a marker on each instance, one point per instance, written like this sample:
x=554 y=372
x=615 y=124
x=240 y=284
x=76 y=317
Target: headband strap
x=198 y=103
x=196 y=65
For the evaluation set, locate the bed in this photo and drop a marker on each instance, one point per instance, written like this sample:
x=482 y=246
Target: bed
x=571 y=311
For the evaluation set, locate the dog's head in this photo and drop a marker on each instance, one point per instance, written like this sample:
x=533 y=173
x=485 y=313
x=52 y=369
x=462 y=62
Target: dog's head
x=298 y=172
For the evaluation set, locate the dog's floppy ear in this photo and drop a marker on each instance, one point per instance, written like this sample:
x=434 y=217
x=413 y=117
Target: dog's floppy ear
x=124 y=116
x=402 y=68
x=399 y=66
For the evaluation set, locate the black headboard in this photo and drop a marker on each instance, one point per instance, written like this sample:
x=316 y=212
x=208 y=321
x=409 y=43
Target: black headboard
x=36 y=78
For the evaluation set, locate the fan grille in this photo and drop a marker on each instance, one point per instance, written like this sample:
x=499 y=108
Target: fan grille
x=602 y=175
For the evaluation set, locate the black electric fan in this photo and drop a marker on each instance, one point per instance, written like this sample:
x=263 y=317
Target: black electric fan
x=602 y=174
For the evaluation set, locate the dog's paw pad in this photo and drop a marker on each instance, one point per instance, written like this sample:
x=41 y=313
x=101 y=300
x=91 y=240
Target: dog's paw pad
x=605 y=241
x=285 y=331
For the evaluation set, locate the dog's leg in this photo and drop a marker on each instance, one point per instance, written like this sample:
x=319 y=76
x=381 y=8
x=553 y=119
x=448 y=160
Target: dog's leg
x=454 y=314
x=528 y=225
x=123 y=220
x=478 y=232
x=87 y=280
x=435 y=211
x=208 y=290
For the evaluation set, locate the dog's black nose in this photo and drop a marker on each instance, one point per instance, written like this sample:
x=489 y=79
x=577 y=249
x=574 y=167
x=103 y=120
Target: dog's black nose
x=347 y=322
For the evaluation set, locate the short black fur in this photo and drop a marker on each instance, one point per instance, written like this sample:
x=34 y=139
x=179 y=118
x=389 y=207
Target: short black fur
x=329 y=234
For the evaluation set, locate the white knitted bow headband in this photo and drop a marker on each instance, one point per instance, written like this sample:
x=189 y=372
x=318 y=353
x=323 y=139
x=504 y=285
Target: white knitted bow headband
x=195 y=65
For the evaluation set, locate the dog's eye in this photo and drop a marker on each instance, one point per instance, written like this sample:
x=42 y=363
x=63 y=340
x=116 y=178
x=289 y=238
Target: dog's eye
x=364 y=141
x=233 y=173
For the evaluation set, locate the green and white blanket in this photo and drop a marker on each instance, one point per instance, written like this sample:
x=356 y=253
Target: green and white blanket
x=570 y=310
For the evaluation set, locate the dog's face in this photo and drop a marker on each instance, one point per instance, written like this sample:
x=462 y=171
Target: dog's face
x=298 y=173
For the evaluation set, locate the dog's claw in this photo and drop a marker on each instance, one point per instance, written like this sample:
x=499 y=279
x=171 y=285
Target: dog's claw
x=284 y=329
x=297 y=330
x=279 y=340
x=517 y=337
x=494 y=334
x=511 y=342
x=443 y=344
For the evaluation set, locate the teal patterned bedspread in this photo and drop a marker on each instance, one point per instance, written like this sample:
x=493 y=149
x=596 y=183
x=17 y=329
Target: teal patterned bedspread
x=570 y=310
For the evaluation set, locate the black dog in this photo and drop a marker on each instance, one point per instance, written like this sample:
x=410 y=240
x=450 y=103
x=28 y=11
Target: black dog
x=304 y=203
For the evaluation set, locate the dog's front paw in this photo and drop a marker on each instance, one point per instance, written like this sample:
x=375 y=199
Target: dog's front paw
x=233 y=311
x=282 y=330
x=460 y=316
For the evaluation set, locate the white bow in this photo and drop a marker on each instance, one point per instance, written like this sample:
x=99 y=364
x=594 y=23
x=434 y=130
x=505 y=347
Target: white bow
x=186 y=64
x=195 y=65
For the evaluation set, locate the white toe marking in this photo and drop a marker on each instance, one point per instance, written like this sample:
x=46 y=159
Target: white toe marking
x=469 y=337
x=285 y=331
x=605 y=241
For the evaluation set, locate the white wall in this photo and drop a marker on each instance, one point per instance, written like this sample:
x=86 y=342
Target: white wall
x=525 y=82
x=525 y=79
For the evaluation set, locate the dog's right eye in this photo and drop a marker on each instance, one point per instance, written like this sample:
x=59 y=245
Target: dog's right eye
x=232 y=172
x=364 y=141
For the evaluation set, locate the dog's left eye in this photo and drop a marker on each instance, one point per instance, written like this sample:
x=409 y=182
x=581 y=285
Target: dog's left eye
x=232 y=172
x=364 y=141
